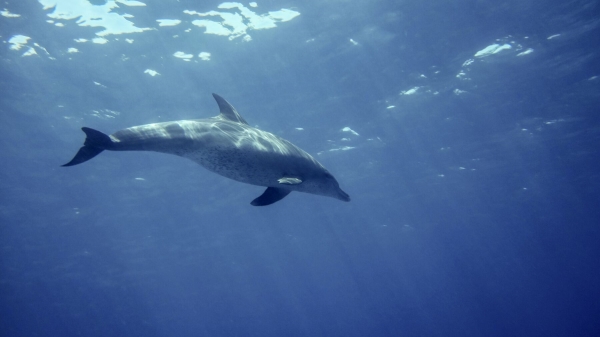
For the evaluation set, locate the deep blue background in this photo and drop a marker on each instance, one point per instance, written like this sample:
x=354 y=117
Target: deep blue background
x=472 y=215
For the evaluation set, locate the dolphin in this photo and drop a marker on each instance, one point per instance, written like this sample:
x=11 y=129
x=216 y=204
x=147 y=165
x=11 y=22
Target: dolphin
x=228 y=146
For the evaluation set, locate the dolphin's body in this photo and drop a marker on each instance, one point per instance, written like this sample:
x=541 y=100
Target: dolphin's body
x=228 y=146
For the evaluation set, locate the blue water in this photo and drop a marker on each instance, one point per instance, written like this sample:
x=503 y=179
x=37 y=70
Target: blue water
x=474 y=180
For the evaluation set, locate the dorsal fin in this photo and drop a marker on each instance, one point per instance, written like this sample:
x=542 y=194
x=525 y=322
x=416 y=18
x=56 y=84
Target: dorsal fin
x=228 y=112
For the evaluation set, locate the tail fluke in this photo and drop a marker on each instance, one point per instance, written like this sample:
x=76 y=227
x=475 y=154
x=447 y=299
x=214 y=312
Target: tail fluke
x=95 y=142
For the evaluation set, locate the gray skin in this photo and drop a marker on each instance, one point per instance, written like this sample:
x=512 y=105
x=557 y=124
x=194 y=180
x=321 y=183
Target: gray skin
x=228 y=146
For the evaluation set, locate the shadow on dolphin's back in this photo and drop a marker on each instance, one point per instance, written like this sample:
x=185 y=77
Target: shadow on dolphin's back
x=226 y=145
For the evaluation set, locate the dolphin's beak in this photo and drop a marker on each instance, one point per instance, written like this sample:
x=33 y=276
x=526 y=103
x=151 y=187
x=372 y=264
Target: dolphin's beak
x=343 y=195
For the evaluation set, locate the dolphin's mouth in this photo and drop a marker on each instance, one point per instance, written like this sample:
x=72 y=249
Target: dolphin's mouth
x=343 y=195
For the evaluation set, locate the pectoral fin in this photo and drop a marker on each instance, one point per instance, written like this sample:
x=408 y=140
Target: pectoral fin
x=270 y=196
